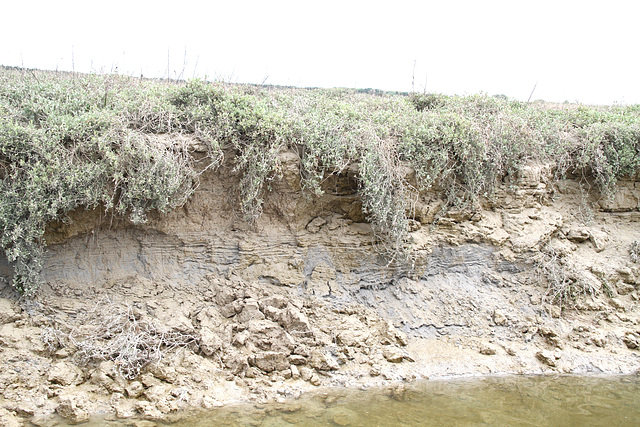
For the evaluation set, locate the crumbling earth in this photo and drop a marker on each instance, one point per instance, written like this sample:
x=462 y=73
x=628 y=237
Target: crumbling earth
x=199 y=309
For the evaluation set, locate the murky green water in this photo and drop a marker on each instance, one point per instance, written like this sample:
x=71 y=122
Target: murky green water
x=508 y=401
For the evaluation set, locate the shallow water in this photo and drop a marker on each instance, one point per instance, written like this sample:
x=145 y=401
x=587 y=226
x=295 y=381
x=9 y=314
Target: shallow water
x=512 y=401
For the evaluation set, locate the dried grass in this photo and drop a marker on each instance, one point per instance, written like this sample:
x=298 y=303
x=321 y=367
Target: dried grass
x=564 y=285
x=119 y=333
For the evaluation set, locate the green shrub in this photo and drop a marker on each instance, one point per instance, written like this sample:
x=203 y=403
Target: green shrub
x=68 y=141
x=62 y=146
x=426 y=101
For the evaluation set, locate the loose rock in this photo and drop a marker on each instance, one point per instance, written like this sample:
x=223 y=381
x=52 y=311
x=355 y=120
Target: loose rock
x=393 y=354
x=65 y=373
x=134 y=389
x=499 y=318
x=487 y=350
x=74 y=408
x=209 y=341
x=547 y=357
x=269 y=361
x=323 y=361
x=7 y=312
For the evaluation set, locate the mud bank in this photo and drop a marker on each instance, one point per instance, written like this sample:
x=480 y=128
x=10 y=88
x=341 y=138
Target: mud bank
x=198 y=308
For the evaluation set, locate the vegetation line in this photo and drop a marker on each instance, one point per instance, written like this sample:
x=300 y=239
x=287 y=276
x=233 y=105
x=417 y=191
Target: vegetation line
x=68 y=141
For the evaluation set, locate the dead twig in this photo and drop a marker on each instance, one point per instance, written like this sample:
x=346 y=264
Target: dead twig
x=122 y=334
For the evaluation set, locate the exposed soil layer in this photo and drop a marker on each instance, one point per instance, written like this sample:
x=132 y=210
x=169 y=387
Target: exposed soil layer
x=199 y=308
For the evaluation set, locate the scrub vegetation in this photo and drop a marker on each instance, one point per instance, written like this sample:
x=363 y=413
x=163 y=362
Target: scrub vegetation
x=69 y=141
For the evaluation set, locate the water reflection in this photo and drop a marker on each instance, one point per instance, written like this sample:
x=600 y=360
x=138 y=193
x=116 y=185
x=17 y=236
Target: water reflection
x=513 y=401
x=505 y=401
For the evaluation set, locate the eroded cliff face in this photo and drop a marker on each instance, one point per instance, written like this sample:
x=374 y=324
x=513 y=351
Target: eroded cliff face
x=301 y=298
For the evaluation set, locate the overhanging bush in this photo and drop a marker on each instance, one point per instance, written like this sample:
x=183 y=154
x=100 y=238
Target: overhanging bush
x=85 y=140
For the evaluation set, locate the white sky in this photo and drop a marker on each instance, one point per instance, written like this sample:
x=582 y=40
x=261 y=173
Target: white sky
x=585 y=51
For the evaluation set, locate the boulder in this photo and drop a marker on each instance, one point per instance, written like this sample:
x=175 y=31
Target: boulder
x=125 y=409
x=269 y=361
x=393 y=354
x=547 y=357
x=294 y=320
x=235 y=362
x=296 y=359
x=631 y=340
x=316 y=224
x=295 y=372
x=578 y=234
x=149 y=411
x=306 y=373
x=210 y=317
x=323 y=361
x=65 y=373
x=275 y=301
x=74 y=408
x=163 y=372
x=157 y=393
x=499 y=317
x=99 y=377
x=250 y=311
x=209 y=341
x=180 y=323
x=7 y=312
x=351 y=338
x=599 y=239
x=487 y=350
x=134 y=389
